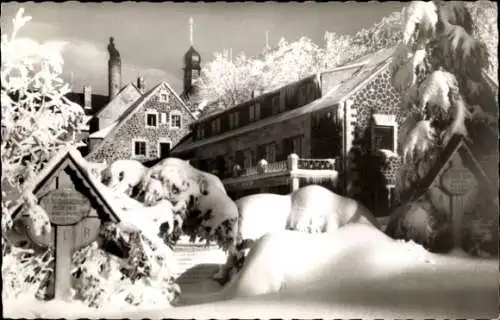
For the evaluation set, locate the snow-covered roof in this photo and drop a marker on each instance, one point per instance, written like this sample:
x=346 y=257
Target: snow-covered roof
x=101 y=134
x=125 y=98
x=118 y=207
x=69 y=155
x=456 y=143
x=334 y=96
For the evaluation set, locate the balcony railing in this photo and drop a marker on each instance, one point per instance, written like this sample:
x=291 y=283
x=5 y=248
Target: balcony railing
x=294 y=167
x=316 y=164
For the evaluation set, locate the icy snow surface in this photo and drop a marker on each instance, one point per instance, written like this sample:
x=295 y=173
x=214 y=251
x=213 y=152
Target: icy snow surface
x=358 y=272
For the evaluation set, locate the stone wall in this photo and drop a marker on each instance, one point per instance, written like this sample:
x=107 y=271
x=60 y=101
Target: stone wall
x=120 y=142
x=378 y=96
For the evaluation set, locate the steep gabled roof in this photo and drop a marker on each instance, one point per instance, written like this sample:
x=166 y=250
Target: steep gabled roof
x=70 y=156
x=101 y=134
x=378 y=62
x=122 y=98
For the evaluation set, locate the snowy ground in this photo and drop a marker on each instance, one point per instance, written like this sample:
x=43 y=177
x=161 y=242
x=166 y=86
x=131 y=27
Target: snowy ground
x=357 y=273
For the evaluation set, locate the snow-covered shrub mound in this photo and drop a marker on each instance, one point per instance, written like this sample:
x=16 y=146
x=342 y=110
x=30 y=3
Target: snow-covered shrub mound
x=124 y=175
x=311 y=209
x=421 y=222
x=141 y=279
x=480 y=232
x=291 y=261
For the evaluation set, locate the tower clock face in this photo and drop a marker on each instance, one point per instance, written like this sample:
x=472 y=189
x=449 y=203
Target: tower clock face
x=196 y=58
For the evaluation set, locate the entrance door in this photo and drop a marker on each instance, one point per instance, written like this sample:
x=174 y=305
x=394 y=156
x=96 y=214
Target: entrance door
x=164 y=149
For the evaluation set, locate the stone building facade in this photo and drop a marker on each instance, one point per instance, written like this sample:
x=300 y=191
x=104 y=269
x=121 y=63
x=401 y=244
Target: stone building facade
x=323 y=116
x=147 y=130
x=132 y=122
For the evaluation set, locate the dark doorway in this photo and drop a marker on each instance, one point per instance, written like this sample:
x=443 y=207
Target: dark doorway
x=164 y=149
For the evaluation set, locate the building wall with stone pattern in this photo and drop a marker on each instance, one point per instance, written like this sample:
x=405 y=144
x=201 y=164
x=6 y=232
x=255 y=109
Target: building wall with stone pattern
x=120 y=143
x=378 y=96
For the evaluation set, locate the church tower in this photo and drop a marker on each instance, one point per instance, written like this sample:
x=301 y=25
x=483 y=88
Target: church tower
x=192 y=65
x=114 y=70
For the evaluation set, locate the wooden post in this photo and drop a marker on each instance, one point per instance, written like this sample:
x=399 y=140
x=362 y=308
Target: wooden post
x=457 y=181
x=75 y=225
x=64 y=250
x=293 y=165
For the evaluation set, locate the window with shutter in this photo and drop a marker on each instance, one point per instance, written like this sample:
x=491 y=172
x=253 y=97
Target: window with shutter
x=151 y=119
x=251 y=111
x=139 y=148
x=275 y=104
x=302 y=95
x=236 y=119
x=311 y=92
x=175 y=121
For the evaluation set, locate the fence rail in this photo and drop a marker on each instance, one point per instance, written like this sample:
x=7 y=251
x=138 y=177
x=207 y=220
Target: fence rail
x=290 y=165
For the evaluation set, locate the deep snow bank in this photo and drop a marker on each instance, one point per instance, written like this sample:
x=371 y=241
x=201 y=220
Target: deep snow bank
x=357 y=272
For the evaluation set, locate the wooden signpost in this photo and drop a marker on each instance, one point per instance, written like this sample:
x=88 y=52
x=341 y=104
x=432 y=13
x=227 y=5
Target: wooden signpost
x=75 y=224
x=457 y=182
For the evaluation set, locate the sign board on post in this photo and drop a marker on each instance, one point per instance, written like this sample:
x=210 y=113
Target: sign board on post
x=75 y=225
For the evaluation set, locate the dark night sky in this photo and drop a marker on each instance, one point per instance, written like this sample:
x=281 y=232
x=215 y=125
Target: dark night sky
x=152 y=37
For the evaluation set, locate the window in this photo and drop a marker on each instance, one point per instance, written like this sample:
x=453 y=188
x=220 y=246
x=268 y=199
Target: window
x=271 y=152
x=216 y=126
x=302 y=95
x=220 y=165
x=151 y=119
x=239 y=158
x=163 y=96
x=311 y=92
x=200 y=132
x=163 y=149
x=175 y=121
x=255 y=112
x=234 y=120
x=383 y=138
x=275 y=104
x=292 y=145
x=248 y=158
x=139 y=148
x=384 y=132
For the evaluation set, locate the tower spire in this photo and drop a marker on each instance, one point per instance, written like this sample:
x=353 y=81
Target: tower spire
x=191 y=30
x=267 y=39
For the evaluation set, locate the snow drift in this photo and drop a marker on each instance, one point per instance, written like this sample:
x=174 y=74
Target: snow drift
x=357 y=272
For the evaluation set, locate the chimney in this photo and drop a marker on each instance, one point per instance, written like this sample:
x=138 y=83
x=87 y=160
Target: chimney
x=140 y=84
x=87 y=98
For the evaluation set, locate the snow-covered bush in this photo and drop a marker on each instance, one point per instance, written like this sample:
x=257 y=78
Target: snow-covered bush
x=439 y=70
x=36 y=121
x=140 y=278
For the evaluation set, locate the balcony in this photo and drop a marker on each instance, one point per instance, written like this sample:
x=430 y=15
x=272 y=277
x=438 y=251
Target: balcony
x=282 y=172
